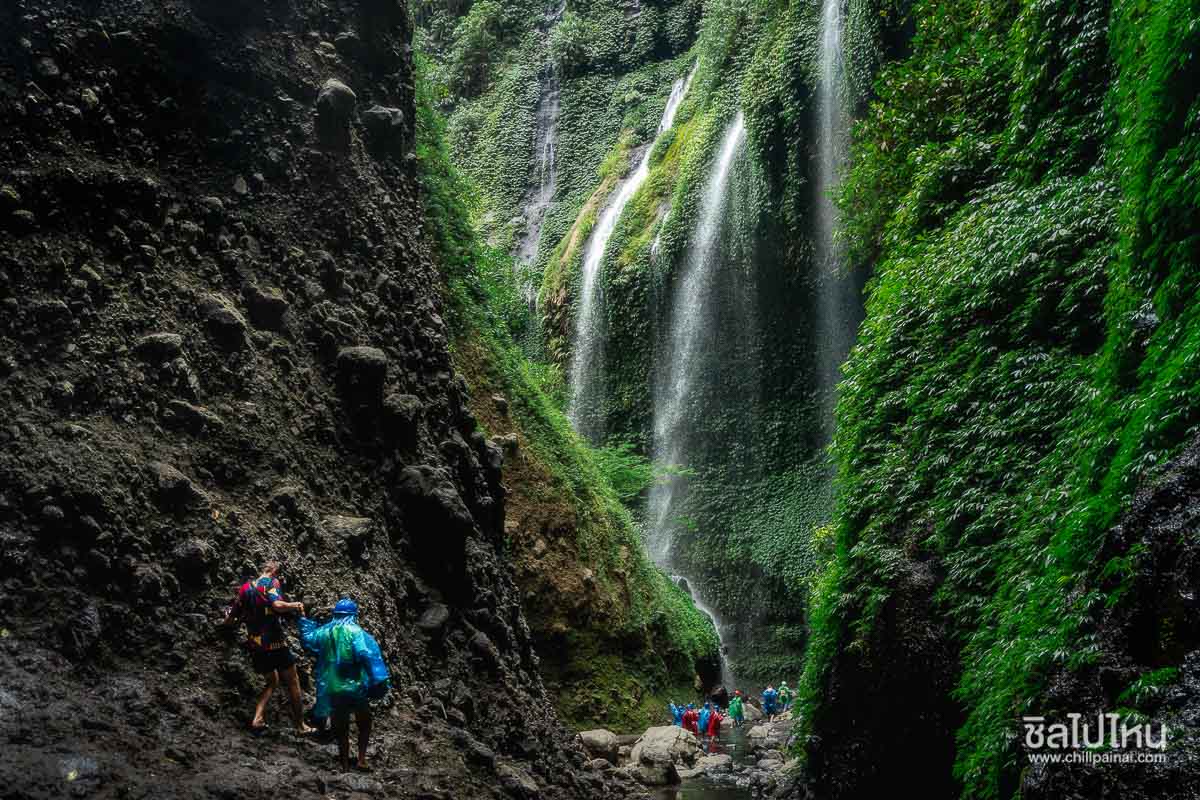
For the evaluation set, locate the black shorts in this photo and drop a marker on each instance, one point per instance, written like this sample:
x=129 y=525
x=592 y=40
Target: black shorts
x=267 y=661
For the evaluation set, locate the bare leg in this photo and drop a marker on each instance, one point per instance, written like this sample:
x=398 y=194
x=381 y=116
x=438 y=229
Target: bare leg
x=293 y=686
x=341 y=727
x=363 y=717
x=260 y=708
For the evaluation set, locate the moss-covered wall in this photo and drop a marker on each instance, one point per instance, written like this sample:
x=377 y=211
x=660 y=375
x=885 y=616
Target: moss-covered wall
x=616 y=637
x=1024 y=189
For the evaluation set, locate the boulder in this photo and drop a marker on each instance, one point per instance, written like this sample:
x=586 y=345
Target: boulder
x=354 y=534
x=224 y=322
x=385 y=125
x=267 y=308
x=158 y=348
x=402 y=418
x=194 y=560
x=769 y=736
x=192 y=418
x=661 y=751
x=719 y=762
x=335 y=108
x=517 y=781
x=361 y=374
x=600 y=743
x=82 y=631
x=173 y=490
x=752 y=712
x=434 y=618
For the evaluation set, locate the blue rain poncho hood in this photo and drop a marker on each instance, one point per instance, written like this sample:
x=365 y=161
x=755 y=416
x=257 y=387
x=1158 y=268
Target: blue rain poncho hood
x=350 y=668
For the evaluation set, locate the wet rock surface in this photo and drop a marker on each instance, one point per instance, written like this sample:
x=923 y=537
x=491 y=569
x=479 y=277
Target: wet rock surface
x=194 y=228
x=734 y=766
x=1159 y=629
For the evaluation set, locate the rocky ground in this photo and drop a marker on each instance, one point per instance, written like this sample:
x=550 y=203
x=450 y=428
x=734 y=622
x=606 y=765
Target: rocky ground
x=221 y=341
x=666 y=755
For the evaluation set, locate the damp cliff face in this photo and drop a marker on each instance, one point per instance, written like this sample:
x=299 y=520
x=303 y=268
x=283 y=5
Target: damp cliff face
x=222 y=340
x=1013 y=431
x=617 y=638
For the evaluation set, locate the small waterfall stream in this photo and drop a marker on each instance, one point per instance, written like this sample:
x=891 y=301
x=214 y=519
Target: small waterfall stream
x=587 y=363
x=838 y=314
x=679 y=355
x=543 y=178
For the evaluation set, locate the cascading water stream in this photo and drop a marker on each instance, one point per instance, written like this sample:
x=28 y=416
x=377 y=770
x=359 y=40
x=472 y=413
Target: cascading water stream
x=680 y=362
x=837 y=315
x=587 y=363
x=544 y=168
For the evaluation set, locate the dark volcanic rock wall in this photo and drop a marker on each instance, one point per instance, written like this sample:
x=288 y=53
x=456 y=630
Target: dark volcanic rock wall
x=220 y=341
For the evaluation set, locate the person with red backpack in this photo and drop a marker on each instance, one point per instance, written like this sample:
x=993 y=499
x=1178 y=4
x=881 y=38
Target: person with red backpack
x=260 y=605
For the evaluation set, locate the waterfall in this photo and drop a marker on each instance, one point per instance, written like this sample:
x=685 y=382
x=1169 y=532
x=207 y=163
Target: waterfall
x=727 y=679
x=587 y=363
x=837 y=302
x=543 y=180
x=680 y=359
x=543 y=167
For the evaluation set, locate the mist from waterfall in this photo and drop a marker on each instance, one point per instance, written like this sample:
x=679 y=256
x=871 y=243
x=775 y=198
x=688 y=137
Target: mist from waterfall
x=587 y=364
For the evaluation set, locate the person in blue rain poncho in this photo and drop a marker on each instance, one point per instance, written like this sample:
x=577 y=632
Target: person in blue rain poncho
x=350 y=672
x=705 y=713
x=770 y=703
x=677 y=713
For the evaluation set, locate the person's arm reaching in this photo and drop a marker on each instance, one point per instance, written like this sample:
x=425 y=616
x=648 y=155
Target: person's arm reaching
x=283 y=607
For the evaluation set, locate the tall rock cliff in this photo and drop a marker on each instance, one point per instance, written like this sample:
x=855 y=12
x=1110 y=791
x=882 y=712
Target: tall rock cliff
x=221 y=341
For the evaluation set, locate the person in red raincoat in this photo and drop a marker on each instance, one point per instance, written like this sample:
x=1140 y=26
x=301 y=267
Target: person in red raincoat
x=714 y=723
x=691 y=720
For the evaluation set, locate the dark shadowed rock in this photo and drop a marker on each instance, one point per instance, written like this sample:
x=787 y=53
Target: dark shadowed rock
x=173 y=490
x=192 y=418
x=194 y=560
x=402 y=418
x=81 y=632
x=335 y=108
x=267 y=308
x=384 y=125
x=434 y=494
x=434 y=618
x=362 y=372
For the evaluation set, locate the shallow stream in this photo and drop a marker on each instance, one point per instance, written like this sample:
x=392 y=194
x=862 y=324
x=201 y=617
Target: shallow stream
x=732 y=742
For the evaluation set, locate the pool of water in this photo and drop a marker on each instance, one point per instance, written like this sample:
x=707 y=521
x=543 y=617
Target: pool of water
x=731 y=742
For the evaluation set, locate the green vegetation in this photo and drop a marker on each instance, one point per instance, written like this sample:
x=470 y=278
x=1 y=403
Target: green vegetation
x=1025 y=188
x=640 y=638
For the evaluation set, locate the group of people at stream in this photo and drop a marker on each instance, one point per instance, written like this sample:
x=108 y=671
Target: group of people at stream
x=705 y=721
x=349 y=672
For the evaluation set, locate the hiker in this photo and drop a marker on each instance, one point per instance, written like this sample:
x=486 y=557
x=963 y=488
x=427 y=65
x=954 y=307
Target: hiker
x=702 y=722
x=785 y=696
x=349 y=674
x=691 y=719
x=714 y=723
x=769 y=699
x=736 y=710
x=260 y=605
x=676 y=714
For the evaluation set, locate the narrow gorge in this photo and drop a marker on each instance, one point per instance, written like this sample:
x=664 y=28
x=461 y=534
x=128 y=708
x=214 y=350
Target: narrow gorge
x=830 y=362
